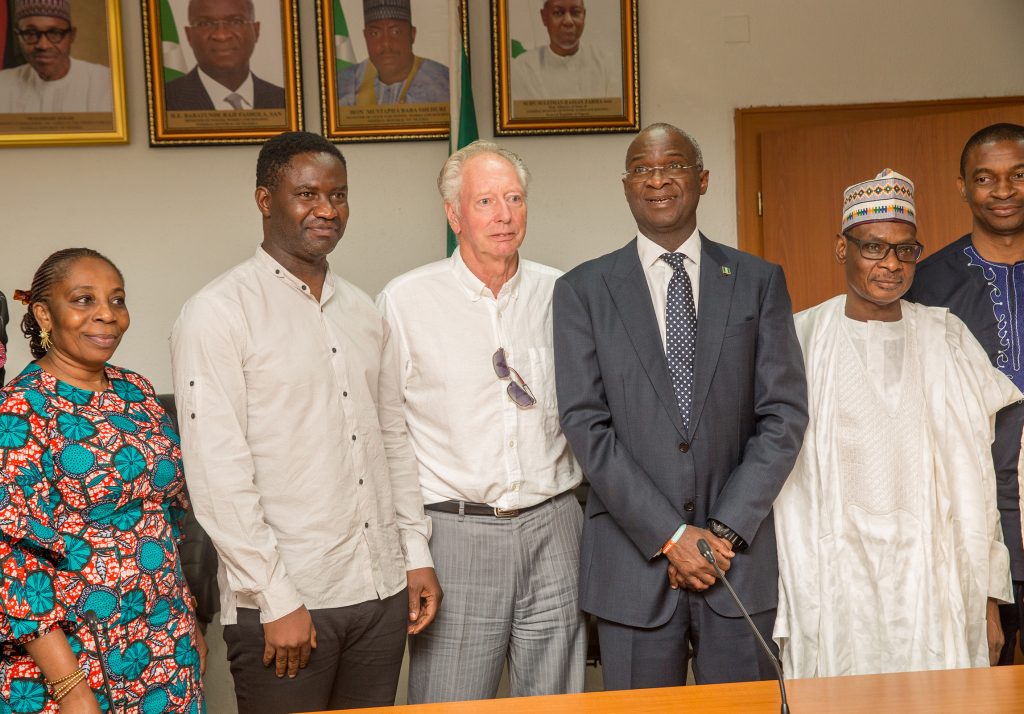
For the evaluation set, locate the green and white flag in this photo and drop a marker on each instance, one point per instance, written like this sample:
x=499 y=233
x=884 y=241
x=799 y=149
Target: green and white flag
x=463 y=129
x=170 y=46
x=343 y=54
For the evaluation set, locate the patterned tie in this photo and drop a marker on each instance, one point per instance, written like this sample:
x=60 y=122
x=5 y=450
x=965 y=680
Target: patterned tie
x=680 y=333
x=235 y=100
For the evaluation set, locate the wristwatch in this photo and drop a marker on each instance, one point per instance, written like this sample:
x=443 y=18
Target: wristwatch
x=726 y=533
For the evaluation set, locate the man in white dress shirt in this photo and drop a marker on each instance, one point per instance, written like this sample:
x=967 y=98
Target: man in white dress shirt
x=565 y=68
x=891 y=556
x=51 y=81
x=298 y=461
x=477 y=376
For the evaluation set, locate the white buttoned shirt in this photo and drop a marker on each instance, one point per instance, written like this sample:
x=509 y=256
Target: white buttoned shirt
x=471 y=441
x=659 y=273
x=296 y=455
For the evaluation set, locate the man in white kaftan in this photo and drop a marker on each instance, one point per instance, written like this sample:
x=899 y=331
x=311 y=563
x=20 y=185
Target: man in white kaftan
x=890 y=549
x=566 y=67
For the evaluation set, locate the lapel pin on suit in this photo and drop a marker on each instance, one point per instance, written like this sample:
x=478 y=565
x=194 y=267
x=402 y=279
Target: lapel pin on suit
x=726 y=271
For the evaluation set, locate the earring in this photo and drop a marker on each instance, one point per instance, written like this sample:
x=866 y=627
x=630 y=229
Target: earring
x=44 y=339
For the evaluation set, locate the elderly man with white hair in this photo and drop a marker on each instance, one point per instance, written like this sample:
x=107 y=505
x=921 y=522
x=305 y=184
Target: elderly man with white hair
x=891 y=556
x=477 y=378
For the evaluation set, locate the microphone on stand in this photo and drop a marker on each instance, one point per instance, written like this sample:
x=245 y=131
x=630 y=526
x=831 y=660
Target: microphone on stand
x=705 y=550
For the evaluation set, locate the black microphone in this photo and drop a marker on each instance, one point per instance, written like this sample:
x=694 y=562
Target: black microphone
x=705 y=550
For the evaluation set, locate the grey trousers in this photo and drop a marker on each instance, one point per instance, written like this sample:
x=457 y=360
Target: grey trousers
x=356 y=662
x=724 y=648
x=510 y=592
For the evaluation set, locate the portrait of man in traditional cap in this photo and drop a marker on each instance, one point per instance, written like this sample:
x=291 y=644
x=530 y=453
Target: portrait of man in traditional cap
x=51 y=80
x=392 y=73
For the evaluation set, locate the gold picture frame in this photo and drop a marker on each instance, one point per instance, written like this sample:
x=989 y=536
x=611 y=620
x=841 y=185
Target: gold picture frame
x=89 y=106
x=356 y=107
x=579 y=78
x=192 y=63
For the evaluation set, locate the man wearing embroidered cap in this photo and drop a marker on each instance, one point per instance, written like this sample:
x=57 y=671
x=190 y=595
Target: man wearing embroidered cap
x=51 y=81
x=392 y=74
x=890 y=552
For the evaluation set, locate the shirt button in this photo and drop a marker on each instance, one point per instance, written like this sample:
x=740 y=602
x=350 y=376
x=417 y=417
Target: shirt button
x=303 y=287
x=192 y=383
x=684 y=446
x=512 y=444
x=192 y=415
x=688 y=506
x=277 y=272
x=353 y=437
x=360 y=482
x=366 y=525
x=334 y=350
x=344 y=394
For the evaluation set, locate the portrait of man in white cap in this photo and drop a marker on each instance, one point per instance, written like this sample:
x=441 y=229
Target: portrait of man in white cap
x=891 y=557
x=51 y=80
x=392 y=74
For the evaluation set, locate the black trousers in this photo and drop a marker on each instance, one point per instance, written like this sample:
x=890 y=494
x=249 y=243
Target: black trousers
x=1012 y=618
x=723 y=648
x=356 y=662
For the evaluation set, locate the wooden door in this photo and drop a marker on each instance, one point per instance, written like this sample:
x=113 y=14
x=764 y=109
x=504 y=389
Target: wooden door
x=804 y=172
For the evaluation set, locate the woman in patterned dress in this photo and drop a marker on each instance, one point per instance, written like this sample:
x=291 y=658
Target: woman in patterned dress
x=95 y=609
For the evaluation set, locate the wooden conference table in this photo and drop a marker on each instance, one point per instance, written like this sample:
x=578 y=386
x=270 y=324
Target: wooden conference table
x=999 y=690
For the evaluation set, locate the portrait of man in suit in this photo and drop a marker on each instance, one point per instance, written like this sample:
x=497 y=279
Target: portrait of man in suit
x=681 y=390
x=222 y=35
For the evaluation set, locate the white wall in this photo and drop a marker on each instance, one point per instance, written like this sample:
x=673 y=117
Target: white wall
x=173 y=218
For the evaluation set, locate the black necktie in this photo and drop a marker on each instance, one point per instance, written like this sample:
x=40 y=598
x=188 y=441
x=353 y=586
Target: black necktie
x=680 y=333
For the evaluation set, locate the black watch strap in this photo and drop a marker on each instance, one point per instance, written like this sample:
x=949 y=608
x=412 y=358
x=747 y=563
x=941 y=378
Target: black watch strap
x=726 y=533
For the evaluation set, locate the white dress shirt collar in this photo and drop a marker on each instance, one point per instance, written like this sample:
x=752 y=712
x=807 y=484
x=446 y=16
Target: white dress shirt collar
x=475 y=287
x=650 y=252
x=267 y=262
x=218 y=92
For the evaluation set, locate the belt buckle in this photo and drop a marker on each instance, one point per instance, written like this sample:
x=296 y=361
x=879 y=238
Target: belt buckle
x=506 y=512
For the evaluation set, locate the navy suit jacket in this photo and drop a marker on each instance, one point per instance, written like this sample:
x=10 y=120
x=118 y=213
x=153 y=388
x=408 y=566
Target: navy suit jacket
x=647 y=474
x=188 y=94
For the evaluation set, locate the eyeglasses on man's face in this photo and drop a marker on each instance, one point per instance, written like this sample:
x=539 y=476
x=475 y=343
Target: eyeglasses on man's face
x=232 y=24
x=674 y=170
x=878 y=250
x=517 y=390
x=32 y=37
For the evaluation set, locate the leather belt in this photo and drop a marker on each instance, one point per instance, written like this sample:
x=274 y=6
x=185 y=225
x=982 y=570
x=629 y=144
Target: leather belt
x=480 y=509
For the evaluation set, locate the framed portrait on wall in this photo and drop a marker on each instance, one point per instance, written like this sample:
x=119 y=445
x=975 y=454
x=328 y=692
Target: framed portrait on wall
x=61 y=73
x=565 y=66
x=221 y=71
x=384 y=68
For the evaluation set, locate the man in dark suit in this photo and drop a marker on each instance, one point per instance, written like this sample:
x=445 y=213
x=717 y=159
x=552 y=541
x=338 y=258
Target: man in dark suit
x=223 y=35
x=686 y=429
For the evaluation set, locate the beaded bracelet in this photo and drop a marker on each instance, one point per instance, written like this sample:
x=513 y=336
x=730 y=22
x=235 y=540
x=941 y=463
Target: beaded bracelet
x=65 y=689
x=51 y=683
